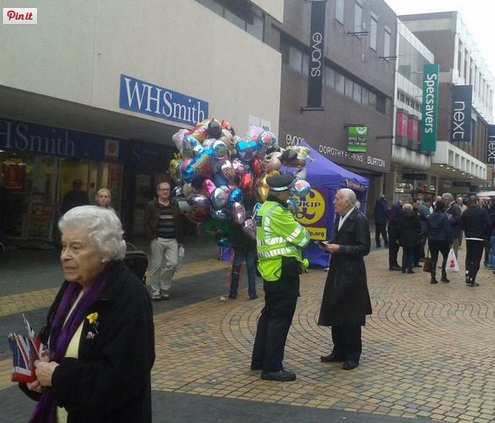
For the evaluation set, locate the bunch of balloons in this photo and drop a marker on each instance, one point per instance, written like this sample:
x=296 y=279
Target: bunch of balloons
x=216 y=170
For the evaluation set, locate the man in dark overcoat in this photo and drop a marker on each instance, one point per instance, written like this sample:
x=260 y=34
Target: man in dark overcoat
x=346 y=300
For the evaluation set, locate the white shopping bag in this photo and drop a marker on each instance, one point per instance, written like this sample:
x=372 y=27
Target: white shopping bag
x=180 y=258
x=452 y=262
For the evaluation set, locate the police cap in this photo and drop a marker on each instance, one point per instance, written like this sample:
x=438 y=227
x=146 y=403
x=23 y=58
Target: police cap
x=279 y=183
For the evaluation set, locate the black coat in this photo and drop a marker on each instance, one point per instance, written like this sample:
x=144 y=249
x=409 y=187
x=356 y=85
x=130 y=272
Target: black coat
x=110 y=381
x=409 y=228
x=346 y=300
x=381 y=212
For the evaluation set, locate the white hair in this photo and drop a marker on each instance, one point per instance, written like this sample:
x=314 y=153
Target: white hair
x=102 y=226
x=349 y=195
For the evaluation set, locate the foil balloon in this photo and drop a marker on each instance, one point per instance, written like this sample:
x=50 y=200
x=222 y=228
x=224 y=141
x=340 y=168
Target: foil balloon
x=235 y=196
x=226 y=126
x=187 y=189
x=220 y=149
x=208 y=143
x=254 y=132
x=267 y=138
x=300 y=173
x=256 y=166
x=221 y=214
x=236 y=139
x=200 y=131
x=226 y=169
x=209 y=187
x=176 y=192
x=219 y=180
x=199 y=166
x=293 y=206
x=184 y=207
x=246 y=150
x=175 y=168
x=178 y=137
x=192 y=147
x=184 y=165
x=261 y=151
x=272 y=162
x=219 y=198
x=238 y=213
x=298 y=156
x=239 y=167
x=214 y=129
x=249 y=228
x=263 y=188
x=198 y=201
x=246 y=183
x=301 y=188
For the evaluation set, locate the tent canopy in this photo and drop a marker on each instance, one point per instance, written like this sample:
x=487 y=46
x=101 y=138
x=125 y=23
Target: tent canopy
x=324 y=173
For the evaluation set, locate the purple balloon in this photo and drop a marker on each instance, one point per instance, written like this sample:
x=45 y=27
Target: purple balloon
x=199 y=202
x=249 y=228
x=238 y=213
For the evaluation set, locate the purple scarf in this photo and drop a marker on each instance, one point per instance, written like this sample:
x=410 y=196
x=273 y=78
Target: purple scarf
x=61 y=335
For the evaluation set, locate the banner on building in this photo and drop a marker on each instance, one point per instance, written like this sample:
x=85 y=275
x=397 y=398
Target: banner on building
x=490 y=145
x=430 y=108
x=316 y=62
x=460 y=121
x=357 y=139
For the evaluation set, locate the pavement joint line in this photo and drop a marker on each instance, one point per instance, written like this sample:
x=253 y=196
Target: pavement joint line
x=33 y=300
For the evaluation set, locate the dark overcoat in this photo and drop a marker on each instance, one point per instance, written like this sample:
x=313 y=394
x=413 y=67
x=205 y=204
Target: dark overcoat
x=346 y=300
x=110 y=382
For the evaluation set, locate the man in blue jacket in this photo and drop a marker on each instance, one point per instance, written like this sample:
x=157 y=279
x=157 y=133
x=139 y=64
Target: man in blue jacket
x=381 y=217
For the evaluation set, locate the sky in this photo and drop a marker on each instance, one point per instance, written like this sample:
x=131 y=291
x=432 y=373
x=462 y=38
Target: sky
x=477 y=15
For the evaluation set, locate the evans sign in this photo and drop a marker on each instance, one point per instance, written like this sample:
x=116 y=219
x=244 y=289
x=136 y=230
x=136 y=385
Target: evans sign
x=315 y=77
x=460 y=124
x=143 y=97
x=430 y=108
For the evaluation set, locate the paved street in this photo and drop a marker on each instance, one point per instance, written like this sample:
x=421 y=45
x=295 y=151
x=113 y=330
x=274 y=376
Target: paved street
x=429 y=352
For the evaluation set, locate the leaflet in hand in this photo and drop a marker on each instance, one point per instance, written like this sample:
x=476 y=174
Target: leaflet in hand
x=26 y=350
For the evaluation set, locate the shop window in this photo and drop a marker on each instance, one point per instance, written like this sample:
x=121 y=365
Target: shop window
x=365 y=94
x=339 y=83
x=380 y=104
x=285 y=50
x=295 y=59
x=358 y=16
x=329 y=77
x=357 y=93
x=372 y=99
x=339 y=11
x=255 y=24
x=305 y=64
x=373 y=31
x=386 y=41
x=349 y=87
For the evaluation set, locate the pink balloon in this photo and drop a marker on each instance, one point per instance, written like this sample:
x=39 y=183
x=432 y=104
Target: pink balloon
x=238 y=213
x=209 y=186
x=249 y=228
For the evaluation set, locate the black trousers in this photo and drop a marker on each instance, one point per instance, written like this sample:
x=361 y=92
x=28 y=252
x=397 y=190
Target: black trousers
x=271 y=333
x=474 y=252
x=347 y=343
x=437 y=246
x=381 y=230
x=393 y=249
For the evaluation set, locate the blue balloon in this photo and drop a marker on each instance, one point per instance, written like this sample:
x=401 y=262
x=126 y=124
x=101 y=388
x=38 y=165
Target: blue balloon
x=246 y=150
x=235 y=196
x=219 y=180
x=293 y=205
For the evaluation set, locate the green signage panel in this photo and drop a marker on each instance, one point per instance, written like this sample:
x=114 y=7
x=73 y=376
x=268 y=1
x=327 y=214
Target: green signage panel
x=430 y=108
x=357 y=139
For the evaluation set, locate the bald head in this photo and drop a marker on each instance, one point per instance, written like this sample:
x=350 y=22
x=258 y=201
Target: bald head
x=345 y=199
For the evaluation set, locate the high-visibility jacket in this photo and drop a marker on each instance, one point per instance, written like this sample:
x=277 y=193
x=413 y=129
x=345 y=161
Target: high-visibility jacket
x=278 y=235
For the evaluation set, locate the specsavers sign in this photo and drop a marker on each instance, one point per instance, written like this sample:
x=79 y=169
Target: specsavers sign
x=357 y=139
x=313 y=213
x=430 y=108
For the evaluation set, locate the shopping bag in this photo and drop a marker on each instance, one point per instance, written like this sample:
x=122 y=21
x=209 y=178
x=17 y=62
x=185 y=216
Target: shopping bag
x=452 y=262
x=427 y=264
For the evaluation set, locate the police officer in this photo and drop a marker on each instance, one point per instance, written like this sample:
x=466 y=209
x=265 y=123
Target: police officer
x=279 y=239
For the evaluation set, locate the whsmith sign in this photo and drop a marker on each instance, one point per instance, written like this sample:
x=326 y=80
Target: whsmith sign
x=143 y=97
x=460 y=123
x=430 y=108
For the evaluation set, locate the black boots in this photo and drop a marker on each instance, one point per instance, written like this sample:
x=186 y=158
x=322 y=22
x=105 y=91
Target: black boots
x=444 y=278
x=433 y=278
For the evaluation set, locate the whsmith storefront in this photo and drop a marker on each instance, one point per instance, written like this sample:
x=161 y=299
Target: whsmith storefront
x=39 y=164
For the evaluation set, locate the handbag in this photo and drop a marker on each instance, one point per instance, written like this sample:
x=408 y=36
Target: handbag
x=427 y=267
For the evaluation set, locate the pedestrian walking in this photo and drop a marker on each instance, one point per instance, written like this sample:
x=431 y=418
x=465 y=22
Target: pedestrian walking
x=279 y=240
x=381 y=217
x=163 y=225
x=393 y=231
x=492 y=235
x=454 y=214
x=346 y=300
x=423 y=212
x=440 y=239
x=477 y=227
x=409 y=231
x=99 y=330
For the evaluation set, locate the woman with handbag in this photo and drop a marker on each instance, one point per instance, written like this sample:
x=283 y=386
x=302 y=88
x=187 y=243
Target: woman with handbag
x=439 y=239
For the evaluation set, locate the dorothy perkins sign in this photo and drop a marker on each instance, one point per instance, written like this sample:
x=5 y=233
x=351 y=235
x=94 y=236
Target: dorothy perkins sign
x=430 y=108
x=357 y=139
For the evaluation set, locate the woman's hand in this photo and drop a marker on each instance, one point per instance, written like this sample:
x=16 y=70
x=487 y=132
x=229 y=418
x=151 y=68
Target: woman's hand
x=35 y=386
x=44 y=372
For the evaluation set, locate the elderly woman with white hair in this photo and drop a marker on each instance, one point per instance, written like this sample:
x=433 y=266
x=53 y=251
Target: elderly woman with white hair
x=99 y=330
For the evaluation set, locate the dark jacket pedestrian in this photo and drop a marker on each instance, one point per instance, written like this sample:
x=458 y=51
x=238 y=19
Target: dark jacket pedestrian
x=381 y=217
x=440 y=239
x=346 y=300
x=152 y=218
x=454 y=213
x=477 y=228
x=393 y=231
x=409 y=228
x=75 y=197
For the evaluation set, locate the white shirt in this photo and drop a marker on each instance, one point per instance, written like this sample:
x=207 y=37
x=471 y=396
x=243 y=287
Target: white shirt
x=343 y=218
